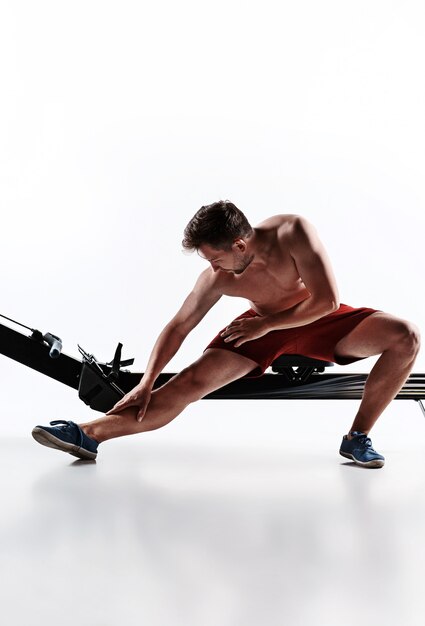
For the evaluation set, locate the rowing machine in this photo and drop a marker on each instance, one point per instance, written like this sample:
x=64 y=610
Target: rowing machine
x=101 y=385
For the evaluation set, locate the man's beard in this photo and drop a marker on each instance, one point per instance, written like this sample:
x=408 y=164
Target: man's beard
x=243 y=266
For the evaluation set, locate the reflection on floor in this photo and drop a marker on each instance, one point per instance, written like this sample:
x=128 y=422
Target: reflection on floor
x=174 y=534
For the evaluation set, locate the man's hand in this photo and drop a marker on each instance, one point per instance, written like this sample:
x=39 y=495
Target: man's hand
x=138 y=397
x=245 y=329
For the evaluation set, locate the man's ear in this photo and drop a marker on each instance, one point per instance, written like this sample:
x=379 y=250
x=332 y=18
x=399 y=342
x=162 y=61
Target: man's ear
x=240 y=244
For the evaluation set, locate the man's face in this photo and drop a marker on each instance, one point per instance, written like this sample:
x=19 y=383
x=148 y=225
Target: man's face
x=233 y=261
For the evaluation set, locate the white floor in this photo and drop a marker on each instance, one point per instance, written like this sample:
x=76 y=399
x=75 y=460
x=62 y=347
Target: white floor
x=285 y=532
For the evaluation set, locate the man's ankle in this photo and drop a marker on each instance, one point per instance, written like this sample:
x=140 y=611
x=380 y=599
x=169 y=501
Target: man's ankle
x=349 y=436
x=88 y=432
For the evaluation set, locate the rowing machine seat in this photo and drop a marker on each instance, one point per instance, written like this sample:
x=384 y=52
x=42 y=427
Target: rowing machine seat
x=297 y=367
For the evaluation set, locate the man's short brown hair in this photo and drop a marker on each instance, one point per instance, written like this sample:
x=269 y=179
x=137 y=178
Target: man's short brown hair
x=217 y=225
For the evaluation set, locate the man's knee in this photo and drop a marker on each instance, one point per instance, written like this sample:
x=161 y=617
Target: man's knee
x=192 y=381
x=408 y=338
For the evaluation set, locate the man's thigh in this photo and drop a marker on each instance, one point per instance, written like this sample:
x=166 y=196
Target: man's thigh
x=374 y=335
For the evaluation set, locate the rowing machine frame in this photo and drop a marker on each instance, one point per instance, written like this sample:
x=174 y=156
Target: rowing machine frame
x=101 y=385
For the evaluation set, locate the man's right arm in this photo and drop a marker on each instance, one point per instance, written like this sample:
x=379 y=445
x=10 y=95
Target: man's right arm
x=197 y=304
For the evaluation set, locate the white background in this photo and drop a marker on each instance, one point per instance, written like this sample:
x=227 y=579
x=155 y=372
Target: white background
x=118 y=120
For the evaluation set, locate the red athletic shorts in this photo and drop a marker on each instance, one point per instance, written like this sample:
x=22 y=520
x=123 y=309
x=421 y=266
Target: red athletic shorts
x=316 y=340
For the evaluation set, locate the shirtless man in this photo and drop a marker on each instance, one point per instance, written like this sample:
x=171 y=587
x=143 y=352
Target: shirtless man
x=282 y=268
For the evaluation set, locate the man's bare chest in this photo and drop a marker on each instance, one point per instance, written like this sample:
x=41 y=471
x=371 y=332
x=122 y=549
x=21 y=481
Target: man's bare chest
x=274 y=282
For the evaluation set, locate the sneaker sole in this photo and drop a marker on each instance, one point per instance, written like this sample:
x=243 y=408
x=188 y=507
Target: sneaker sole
x=49 y=440
x=375 y=463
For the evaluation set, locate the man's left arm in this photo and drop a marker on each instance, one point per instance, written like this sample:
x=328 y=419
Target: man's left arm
x=315 y=270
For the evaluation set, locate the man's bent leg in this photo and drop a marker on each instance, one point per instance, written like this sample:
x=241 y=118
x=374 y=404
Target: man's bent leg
x=398 y=342
x=214 y=369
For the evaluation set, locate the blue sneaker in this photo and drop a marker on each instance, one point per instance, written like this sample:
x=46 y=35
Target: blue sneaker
x=69 y=438
x=359 y=449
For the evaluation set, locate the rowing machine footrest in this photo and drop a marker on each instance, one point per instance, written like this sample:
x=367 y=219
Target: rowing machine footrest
x=96 y=390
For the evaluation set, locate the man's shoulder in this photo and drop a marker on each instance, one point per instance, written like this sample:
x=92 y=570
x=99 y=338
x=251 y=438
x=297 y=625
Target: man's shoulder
x=281 y=220
x=286 y=225
x=210 y=281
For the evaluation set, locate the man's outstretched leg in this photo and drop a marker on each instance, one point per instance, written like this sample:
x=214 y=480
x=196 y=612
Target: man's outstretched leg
x=214 y=369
